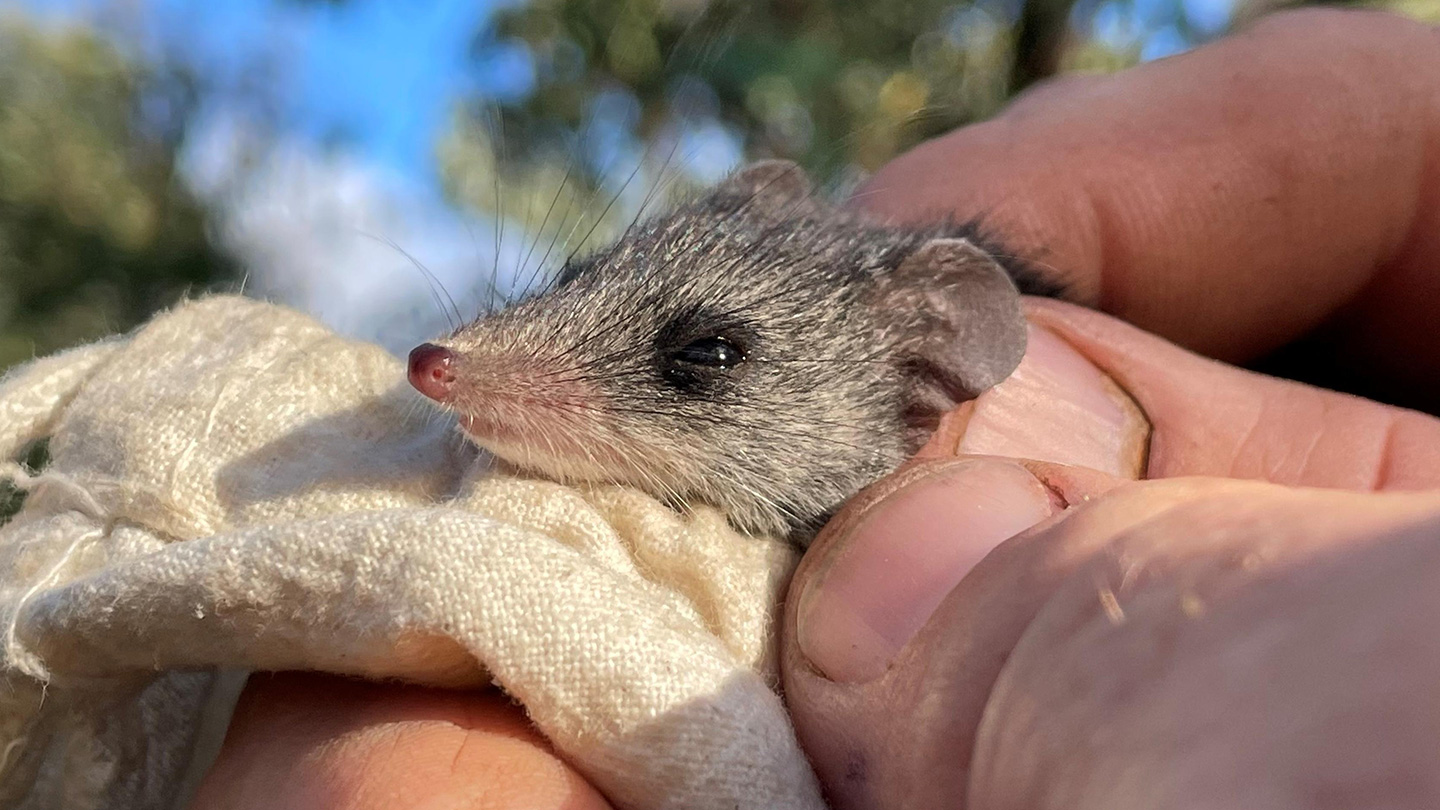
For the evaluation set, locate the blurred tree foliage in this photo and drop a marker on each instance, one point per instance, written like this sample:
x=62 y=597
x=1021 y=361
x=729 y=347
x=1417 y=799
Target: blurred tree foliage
x=838 y=85
x=96 y=232
x=841 y=86
x=825 y=82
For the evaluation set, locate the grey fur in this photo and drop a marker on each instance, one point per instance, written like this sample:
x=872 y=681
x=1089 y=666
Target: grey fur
x=856 y=337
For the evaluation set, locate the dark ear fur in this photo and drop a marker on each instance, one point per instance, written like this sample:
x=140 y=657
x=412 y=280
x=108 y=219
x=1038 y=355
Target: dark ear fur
x=964 y=330
x=767 y=188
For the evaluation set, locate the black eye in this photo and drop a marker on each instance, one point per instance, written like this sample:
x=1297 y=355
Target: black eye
x=711 y=352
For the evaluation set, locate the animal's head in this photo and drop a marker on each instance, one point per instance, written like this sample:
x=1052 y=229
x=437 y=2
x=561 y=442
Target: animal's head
x=753 y=349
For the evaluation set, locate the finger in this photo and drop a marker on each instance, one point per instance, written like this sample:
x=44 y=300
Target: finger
x=1094 y=392
x=316 y=742
x=954 y=718
x=1278 y=657
x=1232 y=198
x=1056 y=406
x=870 y=583
x=884 y=585
x=1212 y=419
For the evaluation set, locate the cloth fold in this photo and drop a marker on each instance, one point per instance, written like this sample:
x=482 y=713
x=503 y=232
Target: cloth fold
x=233 y=486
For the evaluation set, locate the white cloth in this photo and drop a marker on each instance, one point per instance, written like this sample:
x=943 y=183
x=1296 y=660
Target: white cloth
x=234 y=487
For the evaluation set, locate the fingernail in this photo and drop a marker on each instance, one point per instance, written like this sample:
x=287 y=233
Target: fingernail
x=878 y=584
x=1059 y=407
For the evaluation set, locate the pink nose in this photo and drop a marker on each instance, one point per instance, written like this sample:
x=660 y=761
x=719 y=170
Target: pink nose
x=430 y=371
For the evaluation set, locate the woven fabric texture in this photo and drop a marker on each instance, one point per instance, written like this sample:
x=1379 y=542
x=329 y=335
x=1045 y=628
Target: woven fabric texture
x=233 y=486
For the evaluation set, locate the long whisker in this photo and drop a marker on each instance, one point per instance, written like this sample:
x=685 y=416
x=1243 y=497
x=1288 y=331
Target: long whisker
x=452 y=314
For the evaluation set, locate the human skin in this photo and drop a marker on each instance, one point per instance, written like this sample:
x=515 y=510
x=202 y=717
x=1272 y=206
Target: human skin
x=1234 y=199
x=1179 y=643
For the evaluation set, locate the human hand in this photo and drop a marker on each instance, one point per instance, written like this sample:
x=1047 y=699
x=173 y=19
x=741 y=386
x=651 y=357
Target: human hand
x=302 y=741
x=1178 y=643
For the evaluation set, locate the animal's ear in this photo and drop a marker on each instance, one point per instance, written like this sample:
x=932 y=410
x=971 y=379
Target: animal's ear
x=963 y=329
x=768 y=187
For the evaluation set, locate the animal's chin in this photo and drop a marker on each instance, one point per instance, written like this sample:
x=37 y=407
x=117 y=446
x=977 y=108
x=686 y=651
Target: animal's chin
x=490 y=434
x=553 y=456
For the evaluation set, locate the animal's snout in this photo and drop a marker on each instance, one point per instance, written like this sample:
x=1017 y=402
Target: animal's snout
x=430 y=371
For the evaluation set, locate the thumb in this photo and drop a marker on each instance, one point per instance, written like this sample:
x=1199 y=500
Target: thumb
x=889 y=567
x=869 y=586
x=878 y=572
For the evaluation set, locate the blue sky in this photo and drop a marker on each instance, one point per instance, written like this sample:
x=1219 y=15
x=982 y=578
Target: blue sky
x=347 y=194
x=379 y=74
